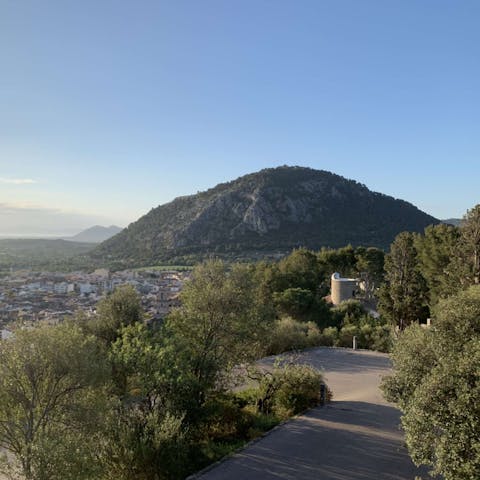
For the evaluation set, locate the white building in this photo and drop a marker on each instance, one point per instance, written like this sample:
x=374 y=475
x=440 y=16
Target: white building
x=343 y=288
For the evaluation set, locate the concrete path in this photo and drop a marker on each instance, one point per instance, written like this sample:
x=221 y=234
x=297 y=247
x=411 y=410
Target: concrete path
x=356 y=437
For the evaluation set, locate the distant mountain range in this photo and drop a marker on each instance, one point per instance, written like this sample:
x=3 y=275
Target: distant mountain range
x=268 y=212
x=95 y=234
x=453 y=221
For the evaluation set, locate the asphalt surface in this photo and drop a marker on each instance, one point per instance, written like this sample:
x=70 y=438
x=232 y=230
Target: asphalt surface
x=356 y=437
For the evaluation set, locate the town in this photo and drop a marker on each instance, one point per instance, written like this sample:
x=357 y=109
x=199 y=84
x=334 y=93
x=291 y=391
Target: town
x=27 y=297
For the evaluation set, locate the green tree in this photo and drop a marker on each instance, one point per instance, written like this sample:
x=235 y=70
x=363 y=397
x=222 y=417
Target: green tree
x=370 y=268
x=435 y=382
x=155 y=374
x=117 y=310
x=145 y=435
x=470 y=241
x=299 y=270
x=143 y=445
x=465 y=266
x=340 y=260
x=220 y=323
x=413 y=357
x=435 y=249
x=294 y=301
x=403 y=296
x=120 y=308
x=51 y=402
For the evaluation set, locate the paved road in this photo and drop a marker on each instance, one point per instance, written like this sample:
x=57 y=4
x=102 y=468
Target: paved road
x=356 y=437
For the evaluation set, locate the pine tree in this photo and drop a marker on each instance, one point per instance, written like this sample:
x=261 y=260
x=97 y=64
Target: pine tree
x=403 y=296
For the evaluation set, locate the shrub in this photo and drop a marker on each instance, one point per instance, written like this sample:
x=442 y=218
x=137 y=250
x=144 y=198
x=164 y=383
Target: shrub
x=382 y=338
x=288 y=334
x=314 y=337
x=329 y=337
x=298 y=389
x=350 y=311
x=346 y=334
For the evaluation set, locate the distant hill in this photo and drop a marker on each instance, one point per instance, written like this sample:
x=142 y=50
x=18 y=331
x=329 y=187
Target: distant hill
x=453 y=221
x=43 y=254
x=95 y=234
x=271 y=211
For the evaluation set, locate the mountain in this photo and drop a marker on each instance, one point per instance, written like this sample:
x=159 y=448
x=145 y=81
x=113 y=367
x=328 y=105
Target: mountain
x=453 y=221
x=271 y=211
x=95 y=234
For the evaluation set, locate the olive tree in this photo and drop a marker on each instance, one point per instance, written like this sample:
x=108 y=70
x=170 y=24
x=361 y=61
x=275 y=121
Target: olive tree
x=51 y=403
x=221 y=321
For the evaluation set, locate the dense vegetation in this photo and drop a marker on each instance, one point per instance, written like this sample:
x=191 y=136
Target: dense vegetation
x=156 y=401
x=110 y=397
x=422 y=269
x=436 y=380
x=115 y=397
x=265 y=213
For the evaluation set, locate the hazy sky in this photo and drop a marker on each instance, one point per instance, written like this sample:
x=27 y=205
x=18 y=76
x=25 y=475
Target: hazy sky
x=109 y=108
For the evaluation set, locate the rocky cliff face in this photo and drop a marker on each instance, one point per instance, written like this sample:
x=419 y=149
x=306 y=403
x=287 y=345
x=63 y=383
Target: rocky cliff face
x=272 y=210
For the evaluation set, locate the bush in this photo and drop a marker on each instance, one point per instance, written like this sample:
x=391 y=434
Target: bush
x=329 y=337
x=298 y=389
x=382 y=338
x=314 y=336
x=285 y=391
x=288 y=334
x=346 y=334
x=348 y=312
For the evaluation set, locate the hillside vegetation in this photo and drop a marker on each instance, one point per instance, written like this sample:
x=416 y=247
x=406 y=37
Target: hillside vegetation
x=43 y=253
x=268 y=212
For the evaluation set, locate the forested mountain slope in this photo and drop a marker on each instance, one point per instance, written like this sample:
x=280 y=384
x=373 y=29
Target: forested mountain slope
x=270 y=211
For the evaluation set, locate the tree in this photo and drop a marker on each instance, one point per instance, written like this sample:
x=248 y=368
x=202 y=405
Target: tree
x=220 y=323
x=51 y=402
x=435 y=382
x=465 y=264
x=144 y=446
x=155 y=376
x=341 y=260
x=435 y=250
x=370 y=268
x=470 y=241
x=403 y=296
x=299 y=270
x=120 y=308
x=117 y=310
x=294 y=301
x=413 y=357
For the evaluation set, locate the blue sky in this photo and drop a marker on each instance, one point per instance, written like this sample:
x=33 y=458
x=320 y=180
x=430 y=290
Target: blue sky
x=109 y=108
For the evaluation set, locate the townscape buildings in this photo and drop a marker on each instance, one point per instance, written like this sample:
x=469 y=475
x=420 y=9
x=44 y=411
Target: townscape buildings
x=29 y=296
